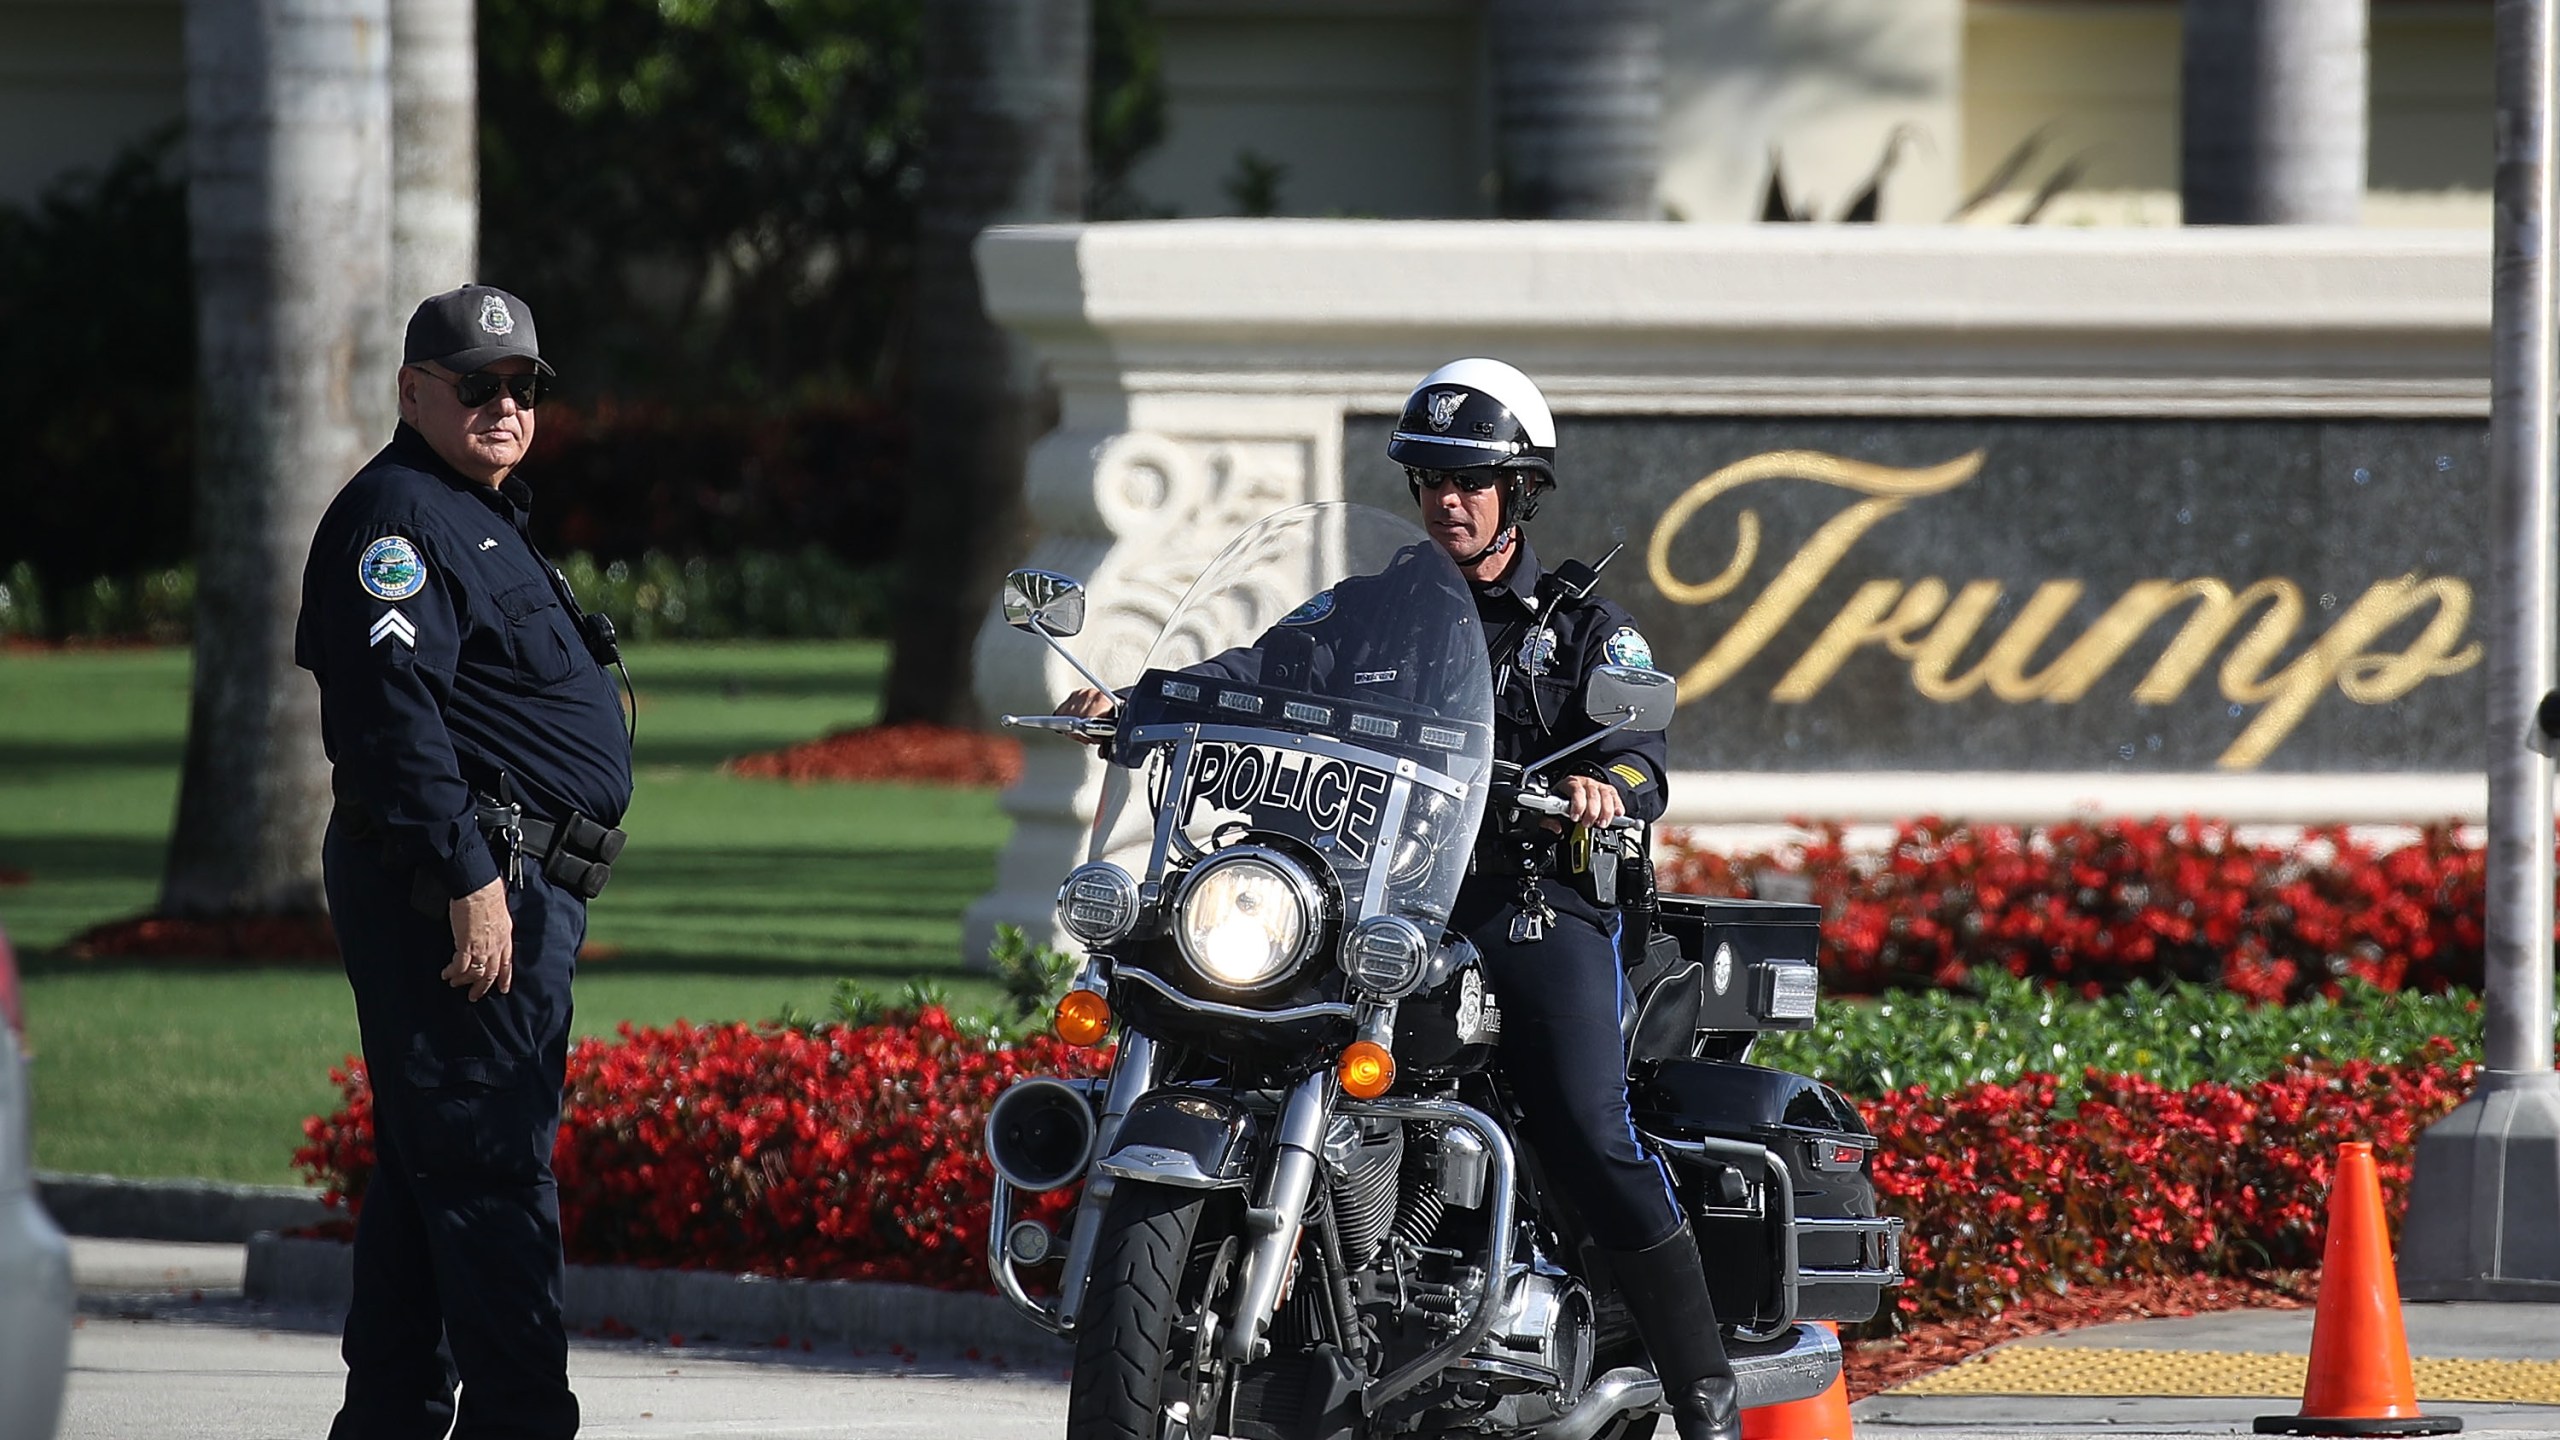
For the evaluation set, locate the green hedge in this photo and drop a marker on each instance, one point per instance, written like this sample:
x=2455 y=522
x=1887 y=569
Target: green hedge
x=153 y=606
x=2179 y=1035
x=803 y=596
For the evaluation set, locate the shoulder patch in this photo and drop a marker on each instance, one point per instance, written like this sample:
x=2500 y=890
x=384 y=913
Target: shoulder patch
x=1626 y=647
x=1635 y=778
x=1311 y=612
x=391 y=569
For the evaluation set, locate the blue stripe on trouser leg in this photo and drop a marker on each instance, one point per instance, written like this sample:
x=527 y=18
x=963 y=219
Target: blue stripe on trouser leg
x=1563 y=1053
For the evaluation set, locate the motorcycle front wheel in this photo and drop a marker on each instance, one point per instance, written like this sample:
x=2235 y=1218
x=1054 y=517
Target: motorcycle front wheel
x=1146 y=1366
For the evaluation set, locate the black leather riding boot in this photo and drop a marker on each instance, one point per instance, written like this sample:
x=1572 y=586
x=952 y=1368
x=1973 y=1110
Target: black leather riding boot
x=1666 y=1290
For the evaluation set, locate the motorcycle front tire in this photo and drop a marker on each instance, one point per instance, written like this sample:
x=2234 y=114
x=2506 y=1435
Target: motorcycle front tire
x=1135 y=1295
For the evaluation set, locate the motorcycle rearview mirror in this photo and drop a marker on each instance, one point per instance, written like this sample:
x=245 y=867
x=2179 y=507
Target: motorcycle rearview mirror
x=1620 y=697
x=1044 y=602
x=1049 y=605
x=2543 y=737
x=1645 y=697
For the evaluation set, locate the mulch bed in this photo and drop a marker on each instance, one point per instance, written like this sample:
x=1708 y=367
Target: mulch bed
x=912 y=754
x=1873 y=1365
x=9 y=877
x=255 y=937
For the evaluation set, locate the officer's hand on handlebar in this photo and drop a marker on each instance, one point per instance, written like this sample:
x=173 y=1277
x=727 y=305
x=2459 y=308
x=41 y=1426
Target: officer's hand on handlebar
x=1088 y=704
x=1594 y=802
x=484 y=941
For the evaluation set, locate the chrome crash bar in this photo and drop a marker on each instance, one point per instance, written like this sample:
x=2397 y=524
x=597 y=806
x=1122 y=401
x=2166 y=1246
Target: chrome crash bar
x=1879 y=1237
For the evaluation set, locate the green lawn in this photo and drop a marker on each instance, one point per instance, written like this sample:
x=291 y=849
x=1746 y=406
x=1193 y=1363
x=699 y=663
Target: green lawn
x=735 y=897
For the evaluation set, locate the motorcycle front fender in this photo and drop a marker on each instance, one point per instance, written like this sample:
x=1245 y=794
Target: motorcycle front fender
x=1190 y=1140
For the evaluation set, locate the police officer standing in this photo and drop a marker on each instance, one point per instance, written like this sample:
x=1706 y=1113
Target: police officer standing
x=1478 y=446
x=481 y=762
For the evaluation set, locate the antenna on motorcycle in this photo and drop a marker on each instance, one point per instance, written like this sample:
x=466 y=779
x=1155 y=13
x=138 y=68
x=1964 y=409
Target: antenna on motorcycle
x=1572 y=580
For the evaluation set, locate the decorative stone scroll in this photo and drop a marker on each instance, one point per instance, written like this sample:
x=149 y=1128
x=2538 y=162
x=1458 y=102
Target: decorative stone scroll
x=1157 y=508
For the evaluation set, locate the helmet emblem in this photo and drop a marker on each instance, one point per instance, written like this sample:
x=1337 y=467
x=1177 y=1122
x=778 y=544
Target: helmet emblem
x=1444 y=408
x=494 y=317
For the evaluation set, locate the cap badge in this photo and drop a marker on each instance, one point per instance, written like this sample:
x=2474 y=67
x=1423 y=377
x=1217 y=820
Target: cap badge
x=391 y=569
x=1444 y=408
x=494 y=316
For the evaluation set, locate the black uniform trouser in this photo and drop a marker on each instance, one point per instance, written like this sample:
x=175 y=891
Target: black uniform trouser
x=457 y=1252
x=1566 y=1058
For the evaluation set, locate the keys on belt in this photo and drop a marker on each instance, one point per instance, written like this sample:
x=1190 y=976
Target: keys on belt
x=576 y=854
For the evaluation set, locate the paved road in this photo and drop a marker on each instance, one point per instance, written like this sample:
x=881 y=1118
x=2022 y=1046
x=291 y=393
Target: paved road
x=226 y=1372
x=230 y=1374
x=169 y=1348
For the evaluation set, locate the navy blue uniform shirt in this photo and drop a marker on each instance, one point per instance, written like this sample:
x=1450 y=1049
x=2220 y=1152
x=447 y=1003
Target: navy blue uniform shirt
x=1539 y=670
x=445 y=659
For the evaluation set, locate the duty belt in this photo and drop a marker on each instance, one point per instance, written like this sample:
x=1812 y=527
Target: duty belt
x=576 y=853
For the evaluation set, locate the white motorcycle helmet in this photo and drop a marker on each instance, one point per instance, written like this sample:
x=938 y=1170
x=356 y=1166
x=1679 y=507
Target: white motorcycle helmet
x=1479 y=414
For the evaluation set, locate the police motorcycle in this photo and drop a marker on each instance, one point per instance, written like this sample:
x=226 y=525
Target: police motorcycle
x=1304 y=1213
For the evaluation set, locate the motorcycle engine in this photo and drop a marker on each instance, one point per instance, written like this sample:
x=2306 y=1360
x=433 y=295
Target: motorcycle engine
x=1541 y=1344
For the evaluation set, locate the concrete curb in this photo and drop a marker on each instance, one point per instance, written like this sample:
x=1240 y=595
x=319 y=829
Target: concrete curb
x=204 y=1211
x=703 y=1305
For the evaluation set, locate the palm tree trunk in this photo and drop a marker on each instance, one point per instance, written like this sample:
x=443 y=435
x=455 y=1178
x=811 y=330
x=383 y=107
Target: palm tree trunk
x=288 y=109
x=435 y=151
x=2272 y=110
x=1577 y=101
x=1004 y=144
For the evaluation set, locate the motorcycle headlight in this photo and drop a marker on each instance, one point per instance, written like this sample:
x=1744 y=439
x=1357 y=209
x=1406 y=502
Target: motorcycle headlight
x=1246 y=917
x=1098 y=903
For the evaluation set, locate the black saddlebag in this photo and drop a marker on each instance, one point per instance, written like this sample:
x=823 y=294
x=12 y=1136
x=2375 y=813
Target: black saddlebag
x=1722 y=967
x=1774 y=1172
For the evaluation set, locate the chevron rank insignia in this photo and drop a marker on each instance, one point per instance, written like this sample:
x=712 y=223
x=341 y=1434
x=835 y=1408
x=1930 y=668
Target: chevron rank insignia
x=395 y=626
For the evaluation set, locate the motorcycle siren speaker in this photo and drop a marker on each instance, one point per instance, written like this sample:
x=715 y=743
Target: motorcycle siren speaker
x=1040 y=1135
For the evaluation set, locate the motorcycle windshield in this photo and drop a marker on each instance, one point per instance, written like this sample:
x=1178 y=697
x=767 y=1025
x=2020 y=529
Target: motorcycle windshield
x=1324 y=685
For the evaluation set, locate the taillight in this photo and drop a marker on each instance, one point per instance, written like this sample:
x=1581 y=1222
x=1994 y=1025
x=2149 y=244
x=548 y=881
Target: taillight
x=10 y=1009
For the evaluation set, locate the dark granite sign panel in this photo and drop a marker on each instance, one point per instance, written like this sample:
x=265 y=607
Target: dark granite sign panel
x=2147 y=596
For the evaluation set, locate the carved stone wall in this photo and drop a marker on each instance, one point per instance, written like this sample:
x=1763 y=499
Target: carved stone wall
x=1208 y=372
x=1137 y=514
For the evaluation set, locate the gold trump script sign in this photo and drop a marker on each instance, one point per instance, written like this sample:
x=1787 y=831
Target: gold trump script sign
x=2029 y=594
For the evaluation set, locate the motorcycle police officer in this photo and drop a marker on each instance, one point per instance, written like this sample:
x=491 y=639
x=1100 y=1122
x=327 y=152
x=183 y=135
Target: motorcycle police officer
x=1477 y=443
x=1478 y=446
x=481 y=762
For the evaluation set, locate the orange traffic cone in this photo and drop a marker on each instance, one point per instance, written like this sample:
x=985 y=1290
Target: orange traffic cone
x=1824 y=1417
x=2360 y=1382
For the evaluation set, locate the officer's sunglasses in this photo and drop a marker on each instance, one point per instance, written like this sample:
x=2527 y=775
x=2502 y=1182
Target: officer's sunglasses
x=480 y=387
x=1473 y=482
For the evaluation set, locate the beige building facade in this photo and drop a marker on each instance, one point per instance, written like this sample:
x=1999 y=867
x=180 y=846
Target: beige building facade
x=1381 y=108
x=79 y=81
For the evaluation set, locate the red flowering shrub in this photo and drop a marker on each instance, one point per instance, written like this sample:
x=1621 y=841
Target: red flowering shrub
x=2007 y=1191
x=2095 y=905
x=854 y=1152
x=840 y=1153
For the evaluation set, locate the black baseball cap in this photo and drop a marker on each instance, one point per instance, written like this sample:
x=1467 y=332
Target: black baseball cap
x=463 y=330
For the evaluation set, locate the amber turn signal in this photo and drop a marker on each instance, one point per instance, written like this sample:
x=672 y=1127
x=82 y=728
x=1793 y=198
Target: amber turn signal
x=1365 y=1070
x=1083 y=1017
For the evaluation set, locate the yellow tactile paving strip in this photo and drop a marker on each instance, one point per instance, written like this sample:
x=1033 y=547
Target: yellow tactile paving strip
x=2067 y=1370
